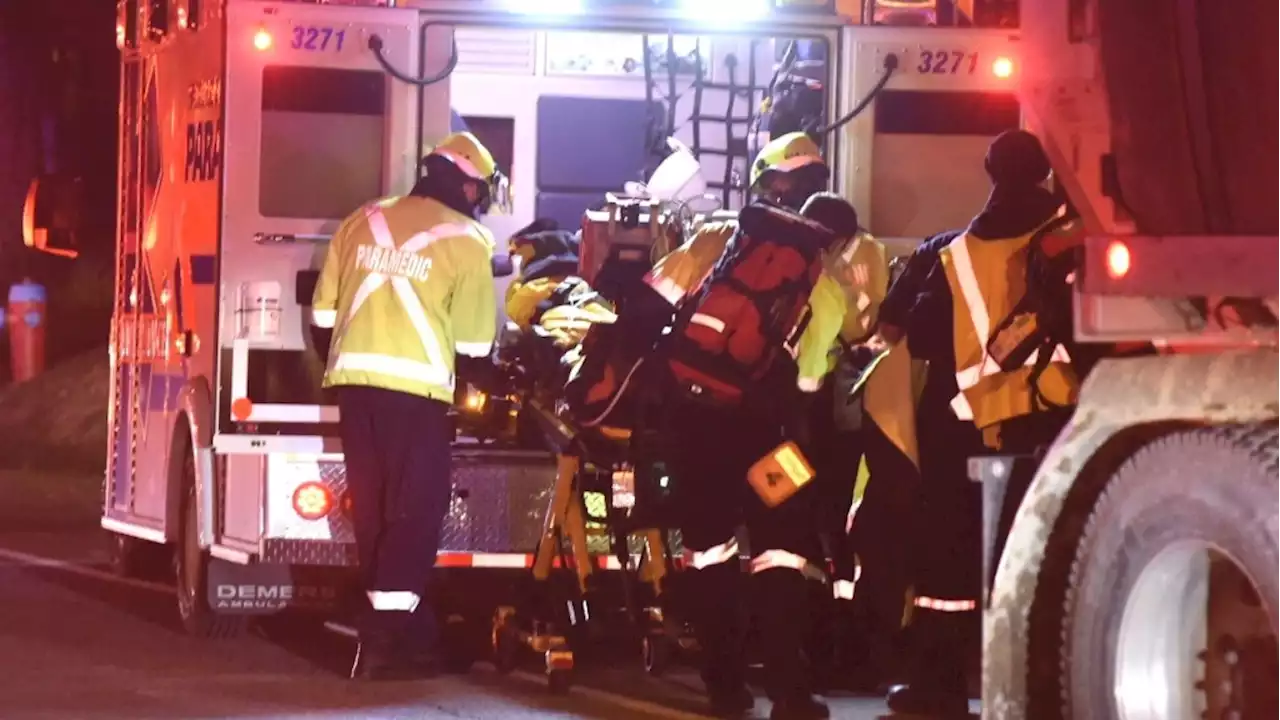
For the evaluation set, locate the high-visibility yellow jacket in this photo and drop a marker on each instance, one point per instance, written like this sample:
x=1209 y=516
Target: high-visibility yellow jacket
x=843 y=306
x=407 y=284
x=987 y=279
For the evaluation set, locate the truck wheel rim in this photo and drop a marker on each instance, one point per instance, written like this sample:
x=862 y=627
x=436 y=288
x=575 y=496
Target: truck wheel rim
x=1163 y=636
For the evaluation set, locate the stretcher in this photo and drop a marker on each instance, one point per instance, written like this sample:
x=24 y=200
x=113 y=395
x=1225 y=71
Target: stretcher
x=604 y=554
x=599 y=565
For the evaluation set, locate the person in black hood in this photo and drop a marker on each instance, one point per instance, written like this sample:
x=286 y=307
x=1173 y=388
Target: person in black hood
x=973 y=267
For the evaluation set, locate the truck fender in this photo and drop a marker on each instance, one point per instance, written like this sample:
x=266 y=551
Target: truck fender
x=1122 y=400
x=195 y=413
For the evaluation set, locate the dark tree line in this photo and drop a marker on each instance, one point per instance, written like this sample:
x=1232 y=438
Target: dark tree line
x=59 y=72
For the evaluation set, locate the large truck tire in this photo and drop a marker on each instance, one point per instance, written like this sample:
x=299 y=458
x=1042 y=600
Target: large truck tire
x=1133 y=624
x=191 y=563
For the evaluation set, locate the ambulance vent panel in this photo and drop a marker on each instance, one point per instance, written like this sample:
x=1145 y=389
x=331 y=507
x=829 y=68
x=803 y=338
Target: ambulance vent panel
x=488 y=51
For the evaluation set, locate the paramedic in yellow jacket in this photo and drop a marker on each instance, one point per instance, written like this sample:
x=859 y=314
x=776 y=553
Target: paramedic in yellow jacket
x=407 y=292
x=788 y=171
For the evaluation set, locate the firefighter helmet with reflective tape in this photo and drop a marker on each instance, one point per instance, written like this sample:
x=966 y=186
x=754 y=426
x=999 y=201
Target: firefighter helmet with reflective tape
x=785 y=154
x=469 y=155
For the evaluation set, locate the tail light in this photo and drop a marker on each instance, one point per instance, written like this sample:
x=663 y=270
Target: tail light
x=1118 y=259
x=312 y=500
x=1002 y=68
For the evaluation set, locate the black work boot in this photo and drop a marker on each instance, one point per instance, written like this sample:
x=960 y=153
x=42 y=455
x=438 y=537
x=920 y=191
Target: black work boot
x=799 y=708
x=927 y=701
x=937 y=687
x=383 y=654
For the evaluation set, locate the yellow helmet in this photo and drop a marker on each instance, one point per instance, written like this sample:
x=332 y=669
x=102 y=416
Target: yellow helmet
x=470 y=156
x=784 y=154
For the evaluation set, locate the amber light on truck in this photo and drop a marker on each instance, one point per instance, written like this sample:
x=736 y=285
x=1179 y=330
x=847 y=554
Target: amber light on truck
x=1118 y=259
x=262 y=39
x=312 y=500
x=1002 y=67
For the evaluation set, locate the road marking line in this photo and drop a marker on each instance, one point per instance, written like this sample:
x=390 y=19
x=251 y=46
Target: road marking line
x=600 y=695
x=642 y=706
x=78 y=569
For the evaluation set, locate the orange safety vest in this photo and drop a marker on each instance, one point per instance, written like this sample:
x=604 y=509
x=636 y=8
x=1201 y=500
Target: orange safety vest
x=988 y=280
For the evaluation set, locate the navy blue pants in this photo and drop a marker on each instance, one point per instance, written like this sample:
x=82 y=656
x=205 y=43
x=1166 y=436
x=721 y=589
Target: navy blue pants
x=397 y=449
x=709 y=453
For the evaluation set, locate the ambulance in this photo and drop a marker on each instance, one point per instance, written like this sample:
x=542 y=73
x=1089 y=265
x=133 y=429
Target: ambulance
x=249 y=129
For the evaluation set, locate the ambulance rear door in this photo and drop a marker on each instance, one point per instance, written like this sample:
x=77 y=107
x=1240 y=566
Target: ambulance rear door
x=314 y=128
x=914 y=159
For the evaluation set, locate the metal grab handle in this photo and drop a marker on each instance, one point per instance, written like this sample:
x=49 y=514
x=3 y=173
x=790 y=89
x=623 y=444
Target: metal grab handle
x=288 y=238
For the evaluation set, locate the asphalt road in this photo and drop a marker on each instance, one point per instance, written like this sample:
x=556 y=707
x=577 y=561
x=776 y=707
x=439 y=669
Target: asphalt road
x=77 y=643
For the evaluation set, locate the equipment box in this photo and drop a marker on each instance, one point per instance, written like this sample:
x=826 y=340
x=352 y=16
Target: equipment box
x=500 y=500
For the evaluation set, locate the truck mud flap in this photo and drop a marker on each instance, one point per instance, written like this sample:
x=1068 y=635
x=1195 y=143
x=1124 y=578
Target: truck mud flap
x=269 y=588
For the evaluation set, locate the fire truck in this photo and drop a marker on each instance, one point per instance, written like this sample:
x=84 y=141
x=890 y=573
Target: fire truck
x=249 y=129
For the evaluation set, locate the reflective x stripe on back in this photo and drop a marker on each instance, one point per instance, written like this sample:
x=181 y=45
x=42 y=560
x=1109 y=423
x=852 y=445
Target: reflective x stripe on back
x=969 y=376
x=434 y=370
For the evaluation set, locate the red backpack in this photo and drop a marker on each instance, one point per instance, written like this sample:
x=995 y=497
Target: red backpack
x=751 y=310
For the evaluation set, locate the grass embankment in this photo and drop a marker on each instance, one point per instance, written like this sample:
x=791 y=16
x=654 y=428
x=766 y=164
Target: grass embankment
x=53 y=441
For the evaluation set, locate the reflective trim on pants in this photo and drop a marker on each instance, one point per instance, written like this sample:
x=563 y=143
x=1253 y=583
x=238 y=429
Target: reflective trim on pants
x=394 y=600
x=942 y=605
x=842 y=589
x=715 y=555
x=771 y=559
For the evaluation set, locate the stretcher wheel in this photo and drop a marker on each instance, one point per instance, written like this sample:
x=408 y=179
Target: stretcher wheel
x=656 y=651
x=559 y=681
x=506 y=647
x=559 y=659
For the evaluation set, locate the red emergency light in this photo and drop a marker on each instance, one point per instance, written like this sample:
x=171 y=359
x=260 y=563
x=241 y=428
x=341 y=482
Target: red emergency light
x=1118 y=259
x=312 y=500
x=1181 y=266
